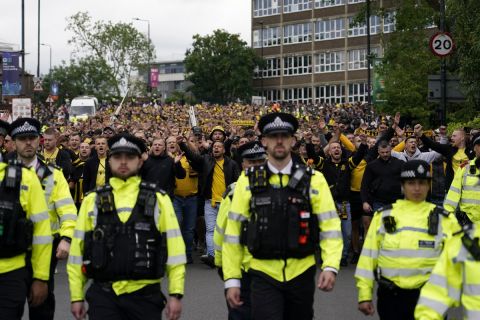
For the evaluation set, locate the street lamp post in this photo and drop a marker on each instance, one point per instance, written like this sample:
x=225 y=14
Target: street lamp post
x=38 y=42
x=149 y=41
x=261 y=52
x=369 y=70
x=50 y=47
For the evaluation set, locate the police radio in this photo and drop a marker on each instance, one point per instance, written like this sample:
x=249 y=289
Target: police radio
x=390 y=224
x=472 y=245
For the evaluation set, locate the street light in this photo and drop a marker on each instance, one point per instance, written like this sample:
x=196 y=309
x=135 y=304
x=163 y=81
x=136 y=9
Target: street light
x=148 y=35
x=50 y=47
x=261 y=70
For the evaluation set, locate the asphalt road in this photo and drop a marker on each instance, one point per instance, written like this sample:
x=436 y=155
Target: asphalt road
x=204 y=299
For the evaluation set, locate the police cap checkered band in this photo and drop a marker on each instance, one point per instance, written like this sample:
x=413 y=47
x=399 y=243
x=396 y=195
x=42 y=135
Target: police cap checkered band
x=252 y=150
x=25 y=127
x=476 y=140
x=277 y=123
x=415 y=169
x=127 y=143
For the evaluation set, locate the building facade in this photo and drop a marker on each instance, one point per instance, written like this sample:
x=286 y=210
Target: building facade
x=314 y=53
x=171 y=78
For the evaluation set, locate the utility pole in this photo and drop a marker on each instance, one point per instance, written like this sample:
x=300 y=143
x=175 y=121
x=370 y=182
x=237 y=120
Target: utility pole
x=369 y=70
x=261 y=70
x=23 y=47
x=38 y=43
x=443 y=71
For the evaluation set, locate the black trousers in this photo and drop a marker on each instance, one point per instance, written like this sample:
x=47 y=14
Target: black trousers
x=396 y=304
x=144 y=304
x=292 y=300
x=46 y=311
x=244 y=311
x=13 y=293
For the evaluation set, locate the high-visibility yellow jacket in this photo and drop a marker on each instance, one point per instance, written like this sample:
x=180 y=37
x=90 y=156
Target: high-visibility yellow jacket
x=221 y=226
x=61 y=208
x=465 y=192
x=33 y=203
x=454 y=281
x=125 y=194
x=331 y=243
x=406 y=256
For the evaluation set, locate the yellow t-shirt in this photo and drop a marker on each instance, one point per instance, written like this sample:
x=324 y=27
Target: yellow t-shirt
x=101 y=174
x=50 y=157
x=218 y=183
x=458 y=159
x=187 y=186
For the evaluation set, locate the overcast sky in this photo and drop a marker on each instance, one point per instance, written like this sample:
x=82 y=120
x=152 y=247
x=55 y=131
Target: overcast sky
x=172 y=23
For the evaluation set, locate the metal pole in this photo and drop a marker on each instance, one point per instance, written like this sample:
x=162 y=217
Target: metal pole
x=443 y=71
x=50 y=70
x=369 y=71
x=38 y=43
x=261 y=73
x=23 y=46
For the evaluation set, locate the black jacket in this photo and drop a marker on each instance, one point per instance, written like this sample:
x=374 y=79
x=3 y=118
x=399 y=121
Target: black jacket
x=90 y=171
x=64 y=161
x=204 y=165
x=162 y=170
x=448 y=152
x=381 y=181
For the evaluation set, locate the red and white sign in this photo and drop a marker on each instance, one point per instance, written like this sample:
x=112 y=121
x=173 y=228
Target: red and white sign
x=442 y=44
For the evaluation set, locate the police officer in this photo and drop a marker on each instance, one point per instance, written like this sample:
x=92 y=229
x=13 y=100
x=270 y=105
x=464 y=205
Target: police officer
x=251 y=153
x=455 y=280
x=62 y=210
x=283 y=207
x=403 y=243
x=24 y=222
x=126 y=236
x=463 y=197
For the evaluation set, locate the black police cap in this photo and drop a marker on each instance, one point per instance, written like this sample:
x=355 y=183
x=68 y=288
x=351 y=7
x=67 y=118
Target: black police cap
x=126 y=143
x=4 y=128
x=278 y=123
x=23 y=127
x=252 y=151
x=415 y=169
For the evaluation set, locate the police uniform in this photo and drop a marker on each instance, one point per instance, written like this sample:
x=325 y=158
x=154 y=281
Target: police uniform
x=61 y=209
x=252 y=151
x=402 y=245
x=24 y=222
x=284 y=219
x=455 y=280
x=126 y=236
x=463 y=197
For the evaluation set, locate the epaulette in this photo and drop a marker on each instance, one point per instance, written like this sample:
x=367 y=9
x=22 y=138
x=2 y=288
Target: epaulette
x=229 y=191
x=161 y=191
x=385 y=208
x=440 y=210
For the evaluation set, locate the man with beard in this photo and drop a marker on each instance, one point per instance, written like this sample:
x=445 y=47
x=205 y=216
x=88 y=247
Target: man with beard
x=217 y=172
x=161 y=168
x=76 y=183
x=129 y=214
x=289 y=214
x=96 y=171
x=62 y=211
x=53 y=155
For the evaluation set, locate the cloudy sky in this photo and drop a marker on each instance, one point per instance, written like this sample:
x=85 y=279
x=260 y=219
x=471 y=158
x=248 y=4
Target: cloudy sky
x=172 y=23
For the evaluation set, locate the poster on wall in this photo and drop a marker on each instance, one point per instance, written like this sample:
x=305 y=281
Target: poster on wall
x=11 y=85
x=21 y=108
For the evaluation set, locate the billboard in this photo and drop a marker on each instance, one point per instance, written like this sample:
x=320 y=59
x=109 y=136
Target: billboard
x=21 y=108
x=11 y=85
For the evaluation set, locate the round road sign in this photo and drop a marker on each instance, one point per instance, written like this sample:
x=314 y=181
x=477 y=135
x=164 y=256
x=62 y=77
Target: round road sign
x=442 y=44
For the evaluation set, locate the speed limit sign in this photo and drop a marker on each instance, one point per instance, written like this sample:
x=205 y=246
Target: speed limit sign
x=442 y=44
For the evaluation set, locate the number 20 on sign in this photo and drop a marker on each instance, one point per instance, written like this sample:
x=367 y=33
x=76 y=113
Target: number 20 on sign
x=442 y=44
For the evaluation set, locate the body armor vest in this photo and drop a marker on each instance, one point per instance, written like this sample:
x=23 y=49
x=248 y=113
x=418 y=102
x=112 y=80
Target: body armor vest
x=132 y=250
x=281 y=223
x=16 y=231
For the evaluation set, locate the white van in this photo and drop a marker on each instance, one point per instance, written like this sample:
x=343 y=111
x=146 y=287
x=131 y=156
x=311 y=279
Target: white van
x=83 y=107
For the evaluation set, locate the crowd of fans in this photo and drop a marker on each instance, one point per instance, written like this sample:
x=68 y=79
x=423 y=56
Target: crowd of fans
x=359 y=151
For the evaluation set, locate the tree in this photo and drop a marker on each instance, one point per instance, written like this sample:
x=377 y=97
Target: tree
x=118 y=47
x=85 y=76
x=221 y=67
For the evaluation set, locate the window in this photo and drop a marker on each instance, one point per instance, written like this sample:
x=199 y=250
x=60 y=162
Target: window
x=272 y=68
x=357 y=92
x=361 y=29
x=298 y=95
x=330 y=94
x=296 y=5
x=328 y=3
x=295 y=65
x=389 y=22
x=330 y=29
x=329 y=62
x=355 y=1
x=296 y=33
x=271 y=37
x=271 y=95
x=262 y=8
x=357 y=58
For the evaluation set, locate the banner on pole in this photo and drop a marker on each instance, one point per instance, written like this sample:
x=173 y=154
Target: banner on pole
x=378 y=92
x=11 y=85
x=154 y=77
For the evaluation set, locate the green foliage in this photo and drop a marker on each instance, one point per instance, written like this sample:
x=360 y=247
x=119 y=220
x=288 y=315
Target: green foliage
x=221 y=67
x=118 y=47
x=181 y=97
x=407 y=61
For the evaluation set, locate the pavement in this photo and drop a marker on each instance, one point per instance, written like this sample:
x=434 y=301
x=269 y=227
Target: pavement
x=204 y=296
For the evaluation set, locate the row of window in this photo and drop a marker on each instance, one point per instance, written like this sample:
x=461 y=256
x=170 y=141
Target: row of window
x=323 y=94
x=327 y=29
x=262 y=8
x=322 y=62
